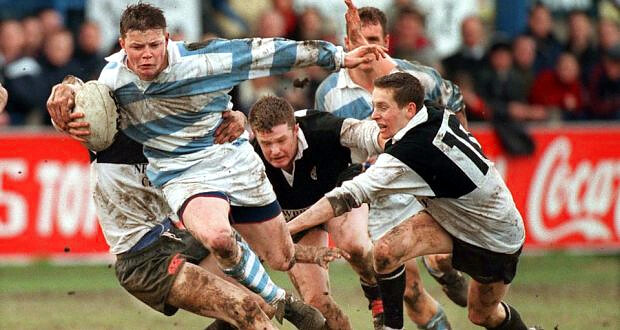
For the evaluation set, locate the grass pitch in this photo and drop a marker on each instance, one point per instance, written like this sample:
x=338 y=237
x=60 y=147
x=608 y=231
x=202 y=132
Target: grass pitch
x=555 y=291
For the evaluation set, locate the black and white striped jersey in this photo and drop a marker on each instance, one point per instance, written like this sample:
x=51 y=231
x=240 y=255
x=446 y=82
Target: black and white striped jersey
x=435 y=159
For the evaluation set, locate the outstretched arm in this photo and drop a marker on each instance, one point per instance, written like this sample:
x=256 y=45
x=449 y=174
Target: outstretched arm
x=317 y=214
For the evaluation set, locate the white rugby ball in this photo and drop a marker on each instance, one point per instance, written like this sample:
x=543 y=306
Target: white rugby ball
x=95 y=101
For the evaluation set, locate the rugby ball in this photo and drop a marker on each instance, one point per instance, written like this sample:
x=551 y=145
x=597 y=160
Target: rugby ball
x=95 y=101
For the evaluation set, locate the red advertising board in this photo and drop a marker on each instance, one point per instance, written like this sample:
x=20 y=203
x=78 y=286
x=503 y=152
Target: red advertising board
x=45 y=204
x=568 y=192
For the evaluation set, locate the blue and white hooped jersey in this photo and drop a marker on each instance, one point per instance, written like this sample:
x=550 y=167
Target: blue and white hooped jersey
x=341 y=96
x=175 y=115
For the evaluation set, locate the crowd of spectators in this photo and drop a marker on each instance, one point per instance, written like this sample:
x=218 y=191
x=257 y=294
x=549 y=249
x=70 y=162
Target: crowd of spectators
x=533 y=76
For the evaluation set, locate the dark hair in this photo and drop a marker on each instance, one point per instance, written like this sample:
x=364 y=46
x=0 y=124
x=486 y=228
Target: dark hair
x=373 y=15
x=142 y=17
x=406 y=88
x=270 y=111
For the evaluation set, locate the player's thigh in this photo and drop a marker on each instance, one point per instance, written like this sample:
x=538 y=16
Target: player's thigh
x=206 y=217
x=270 y=240
x=350 y=231
x=416 y=236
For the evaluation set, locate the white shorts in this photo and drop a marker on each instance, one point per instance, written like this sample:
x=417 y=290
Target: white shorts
x=234 y=170
x=388 y=211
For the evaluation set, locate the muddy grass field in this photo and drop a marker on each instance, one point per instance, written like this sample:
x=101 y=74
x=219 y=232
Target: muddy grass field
x=556 y=291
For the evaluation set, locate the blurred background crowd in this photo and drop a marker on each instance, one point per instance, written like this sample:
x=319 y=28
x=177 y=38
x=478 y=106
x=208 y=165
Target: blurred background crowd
x=515 y=61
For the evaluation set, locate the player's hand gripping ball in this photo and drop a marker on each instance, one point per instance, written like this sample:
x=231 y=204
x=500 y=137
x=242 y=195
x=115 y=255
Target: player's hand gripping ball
x=95 y=101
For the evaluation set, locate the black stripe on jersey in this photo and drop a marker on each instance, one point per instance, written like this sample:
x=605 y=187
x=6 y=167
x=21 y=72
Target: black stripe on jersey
x=123 y=151
x=417 y=151
x=452 y=141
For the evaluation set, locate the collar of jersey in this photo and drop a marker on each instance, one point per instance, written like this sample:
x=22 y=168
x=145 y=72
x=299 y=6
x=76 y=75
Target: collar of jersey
x=302 y=144
x=420 y=117
x=345 y=81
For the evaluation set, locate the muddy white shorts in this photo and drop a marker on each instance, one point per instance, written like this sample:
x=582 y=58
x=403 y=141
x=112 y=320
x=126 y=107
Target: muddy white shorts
x=234 y=170
x=388 y=211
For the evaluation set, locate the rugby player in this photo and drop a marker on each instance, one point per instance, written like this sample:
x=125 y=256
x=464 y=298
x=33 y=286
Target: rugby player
x=304 y=153
x=347 y=93
x=468 y=210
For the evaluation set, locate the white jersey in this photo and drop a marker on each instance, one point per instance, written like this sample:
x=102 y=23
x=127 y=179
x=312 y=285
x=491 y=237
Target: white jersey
x=127 y=204
x=175 y=115
x=437 y=161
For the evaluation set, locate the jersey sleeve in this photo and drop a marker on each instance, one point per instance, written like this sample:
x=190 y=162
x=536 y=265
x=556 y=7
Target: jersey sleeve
x=381 y=178
x=261 y=57
x=360 y=134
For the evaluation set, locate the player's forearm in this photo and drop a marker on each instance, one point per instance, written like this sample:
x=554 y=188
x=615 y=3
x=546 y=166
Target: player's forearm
x=361 y=134
x=278 y=55
x=317 y=214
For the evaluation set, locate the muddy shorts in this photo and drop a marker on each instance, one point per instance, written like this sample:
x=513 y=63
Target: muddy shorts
x=483 y=265
x=149 y=269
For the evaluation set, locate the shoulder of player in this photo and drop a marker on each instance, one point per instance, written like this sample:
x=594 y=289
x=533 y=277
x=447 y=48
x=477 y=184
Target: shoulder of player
x=327 y=85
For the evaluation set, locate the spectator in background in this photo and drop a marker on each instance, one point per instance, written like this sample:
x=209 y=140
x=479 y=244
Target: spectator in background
x=608 y=35
x=270 y=25
x=310 y=25
x=605 y=86
x=57 y=62
x=88 y=51
x=33 y=33
x=20 y=73
x=409 y=40
x=524 y=54
x=548 y=48
x=505 y=95
x=285 y=9
x=560 y=90
x=469 y=60
x=580 y=42
x=51 y=21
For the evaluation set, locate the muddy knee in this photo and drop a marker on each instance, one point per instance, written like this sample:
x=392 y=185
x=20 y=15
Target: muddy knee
x=384 y=262
x=224 y=246
x=282 y=261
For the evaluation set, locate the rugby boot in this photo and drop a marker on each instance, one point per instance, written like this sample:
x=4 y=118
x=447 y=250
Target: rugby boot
x=300 y=314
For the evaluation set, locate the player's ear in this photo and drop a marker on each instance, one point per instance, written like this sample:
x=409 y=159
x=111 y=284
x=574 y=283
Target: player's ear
x=296 y=128
x=121 y=41
x=167 y=35
x=387 y=40
x=412 y=109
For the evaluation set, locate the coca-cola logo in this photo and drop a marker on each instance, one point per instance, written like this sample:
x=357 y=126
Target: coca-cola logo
x=578 y=197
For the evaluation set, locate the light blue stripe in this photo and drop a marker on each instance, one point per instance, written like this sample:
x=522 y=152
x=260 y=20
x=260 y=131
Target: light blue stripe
x=272 y=295
x=358 y=109
x=284 y=57
x=325 y=87
x=260 y=287
x=158 y=179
